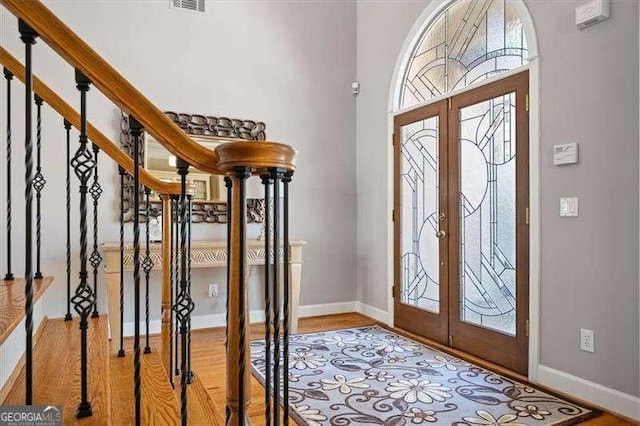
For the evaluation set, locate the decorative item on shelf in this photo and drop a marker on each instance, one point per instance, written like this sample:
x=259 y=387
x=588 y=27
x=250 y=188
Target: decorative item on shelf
x=255 y=192
x=263 y=219
x=209 y=204
x=155 y=230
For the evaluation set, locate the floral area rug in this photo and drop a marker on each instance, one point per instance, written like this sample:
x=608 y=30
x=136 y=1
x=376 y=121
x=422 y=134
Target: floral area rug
x=372 y=376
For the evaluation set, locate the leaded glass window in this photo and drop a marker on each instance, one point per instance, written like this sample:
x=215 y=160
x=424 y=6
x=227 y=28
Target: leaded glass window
x=467 y=42
x=420 y=187
x=487 y=214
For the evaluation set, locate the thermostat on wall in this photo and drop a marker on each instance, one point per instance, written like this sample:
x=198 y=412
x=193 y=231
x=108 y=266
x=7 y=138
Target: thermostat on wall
x=565 y=154
x=592 y=12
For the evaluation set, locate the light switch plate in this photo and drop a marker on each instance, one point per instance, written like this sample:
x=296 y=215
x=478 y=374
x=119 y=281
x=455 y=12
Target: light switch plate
x=569 y=207
x=565 y=154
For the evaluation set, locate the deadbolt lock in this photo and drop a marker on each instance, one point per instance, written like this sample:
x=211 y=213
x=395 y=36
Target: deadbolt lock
x=443 y=217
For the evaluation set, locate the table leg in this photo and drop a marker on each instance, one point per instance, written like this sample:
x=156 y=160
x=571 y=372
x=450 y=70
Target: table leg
x=295 y=275
x=113 y=308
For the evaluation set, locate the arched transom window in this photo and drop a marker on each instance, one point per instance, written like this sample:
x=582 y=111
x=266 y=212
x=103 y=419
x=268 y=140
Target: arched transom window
x=467 y=41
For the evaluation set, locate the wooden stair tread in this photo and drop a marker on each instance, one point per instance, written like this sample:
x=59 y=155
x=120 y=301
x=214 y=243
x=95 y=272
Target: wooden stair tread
x=159 y=403
x=56 y=370
x=12 y=300
x=201 y=408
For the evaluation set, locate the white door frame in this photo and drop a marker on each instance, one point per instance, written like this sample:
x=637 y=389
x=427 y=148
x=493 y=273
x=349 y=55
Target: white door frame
x=426 y=18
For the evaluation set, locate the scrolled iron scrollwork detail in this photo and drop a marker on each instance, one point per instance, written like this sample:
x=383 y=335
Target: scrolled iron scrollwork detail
x=193 y=124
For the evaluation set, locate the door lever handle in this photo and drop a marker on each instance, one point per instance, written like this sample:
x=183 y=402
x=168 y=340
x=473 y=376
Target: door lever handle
x=441 y=234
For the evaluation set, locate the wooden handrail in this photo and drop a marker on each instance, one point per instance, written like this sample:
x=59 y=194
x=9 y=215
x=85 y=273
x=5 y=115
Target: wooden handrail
x=72 y=116
x=114 y=86
x=80 y=55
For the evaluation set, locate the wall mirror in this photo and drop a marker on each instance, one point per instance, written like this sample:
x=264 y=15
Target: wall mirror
x=162 y=164
x=209 y=202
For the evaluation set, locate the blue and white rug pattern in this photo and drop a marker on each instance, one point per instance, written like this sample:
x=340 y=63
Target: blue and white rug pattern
x=372 y=376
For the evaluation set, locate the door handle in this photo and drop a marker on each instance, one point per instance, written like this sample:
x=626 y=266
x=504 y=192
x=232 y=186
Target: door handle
x=441 y=234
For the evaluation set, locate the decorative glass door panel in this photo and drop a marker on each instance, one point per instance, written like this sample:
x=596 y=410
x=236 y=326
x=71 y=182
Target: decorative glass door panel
x=487 y=142
x=420 y=265
x=419 y=261
x=461 y=170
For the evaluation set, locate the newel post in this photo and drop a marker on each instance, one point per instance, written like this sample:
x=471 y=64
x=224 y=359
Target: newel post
x=238 y=349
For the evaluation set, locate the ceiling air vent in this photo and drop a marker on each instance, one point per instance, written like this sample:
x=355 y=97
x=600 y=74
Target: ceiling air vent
x=193 y=5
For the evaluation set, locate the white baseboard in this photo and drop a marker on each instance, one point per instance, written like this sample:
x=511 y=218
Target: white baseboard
x=373 y=312
x=326 y=309
x=610 y=399
x=219 y=320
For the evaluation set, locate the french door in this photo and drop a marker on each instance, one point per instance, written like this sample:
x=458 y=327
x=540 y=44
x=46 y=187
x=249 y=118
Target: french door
x=461 y=221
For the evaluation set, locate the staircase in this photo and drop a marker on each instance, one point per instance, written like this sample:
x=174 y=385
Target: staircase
x=69 y=361
x=56 y=363
x=58 y=342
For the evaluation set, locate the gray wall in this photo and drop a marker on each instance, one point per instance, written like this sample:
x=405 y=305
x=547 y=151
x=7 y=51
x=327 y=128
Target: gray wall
x=589 y=94
x=589 y=271
x=258 y=60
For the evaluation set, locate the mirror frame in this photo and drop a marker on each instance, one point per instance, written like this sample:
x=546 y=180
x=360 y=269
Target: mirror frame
x=198 y=125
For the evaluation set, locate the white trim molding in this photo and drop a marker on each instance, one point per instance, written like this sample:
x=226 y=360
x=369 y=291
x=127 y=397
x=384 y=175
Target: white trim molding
x=199 y=322
x=602 y=396
x=324 y=309
x=373 y=312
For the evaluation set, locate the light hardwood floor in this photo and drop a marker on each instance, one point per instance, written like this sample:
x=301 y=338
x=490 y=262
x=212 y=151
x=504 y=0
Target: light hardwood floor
x=56 y=366
x=208 y=362
x=57 y=380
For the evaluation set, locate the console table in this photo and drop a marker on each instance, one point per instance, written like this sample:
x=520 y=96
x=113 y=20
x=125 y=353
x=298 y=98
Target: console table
x=204 y=254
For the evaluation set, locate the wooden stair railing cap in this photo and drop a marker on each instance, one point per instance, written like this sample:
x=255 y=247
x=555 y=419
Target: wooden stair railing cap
x=256 y=155
x=72 y=116
x=114 y=86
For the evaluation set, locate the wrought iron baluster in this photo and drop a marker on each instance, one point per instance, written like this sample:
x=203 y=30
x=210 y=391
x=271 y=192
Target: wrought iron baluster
x=38 y=185
x=184 y=304
x=96 y=257
x=147 y=265
x=28 y=37
x=276 y=176
x=83 y=164
x=121 y=172
x=266 y=181
x=67 y=126
x=285 y=361
x=136 y=132
x=190 y=207
x=8 y=75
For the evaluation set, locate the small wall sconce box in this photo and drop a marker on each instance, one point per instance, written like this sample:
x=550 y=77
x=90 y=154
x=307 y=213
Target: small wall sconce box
x=592 y=12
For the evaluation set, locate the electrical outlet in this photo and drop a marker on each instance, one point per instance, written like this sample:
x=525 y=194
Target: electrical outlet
x=586 y=340
x=213 y=291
